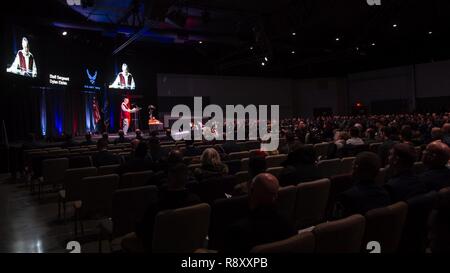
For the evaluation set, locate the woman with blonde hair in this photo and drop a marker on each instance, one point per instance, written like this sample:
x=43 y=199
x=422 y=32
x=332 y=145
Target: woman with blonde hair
x=212 y=165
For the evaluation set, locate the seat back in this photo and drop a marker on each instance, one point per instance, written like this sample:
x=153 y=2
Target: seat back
x=97 y=193
x=275 y=171
x=80 y=161
x=347 y=165
x=385 y=226
x=245 y=164
x=275 y=160
x=108 y=169
x=338 y=184
x=380 y=179
x=54 y=170
x=286 y=201
x=72 y=181
x=181 y=230
x=419 y=167
x=135 y=179
x=311 y=202
x=341 y=236
x=242 y=176
x=215 y=188
x=321 y=149
x=238 y=155
x=234 y=166
x=129 y=207
x=330 y=167
x=415 y=230
x=224 y=212
x=299 y=243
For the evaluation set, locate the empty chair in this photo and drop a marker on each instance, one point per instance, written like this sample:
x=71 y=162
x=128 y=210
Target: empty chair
x=96 y=197
x=80 y=161
x=225 y=212
x=128 y=209
x=234 y=166
x=299 y=243
x=341 y=236
x=311 y=202
x=275 y=171
x=242 y=176
x=321 y=149
x=53 y=172
x=347 y=165
x=215 y=188
x=415 y=230
x=338 y=184
x=108 y=169
x=181 y=230
x=385 y=226
x=275 y=160
x=330 y=167
x=238 y=155
x=135 y=179
x=286 y=201
x=72 y=186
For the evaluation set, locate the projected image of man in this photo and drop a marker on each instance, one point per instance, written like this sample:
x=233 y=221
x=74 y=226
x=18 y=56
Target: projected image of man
x=24 y=63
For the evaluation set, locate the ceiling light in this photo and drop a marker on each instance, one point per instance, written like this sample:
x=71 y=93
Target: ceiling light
x=64 y=33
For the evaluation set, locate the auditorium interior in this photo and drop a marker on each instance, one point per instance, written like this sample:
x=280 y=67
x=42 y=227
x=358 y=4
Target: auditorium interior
x=118 y=136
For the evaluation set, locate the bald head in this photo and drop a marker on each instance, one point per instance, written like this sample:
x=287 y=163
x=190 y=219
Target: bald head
x=436 y=154
x=263 y=190
x=446 y=128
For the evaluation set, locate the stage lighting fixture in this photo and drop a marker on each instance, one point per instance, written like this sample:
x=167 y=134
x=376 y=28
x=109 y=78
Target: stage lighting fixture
x=251 y=48
x=64 y=33
x=293 y=52
x=266 y=59
x=200 y=42
x=394 y=25
x=337 y=39
x=430 y=32
x=263 y=63
x=373 y=44
x=293 y=33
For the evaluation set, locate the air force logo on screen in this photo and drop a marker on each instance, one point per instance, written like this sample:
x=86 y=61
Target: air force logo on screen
x=92 y=78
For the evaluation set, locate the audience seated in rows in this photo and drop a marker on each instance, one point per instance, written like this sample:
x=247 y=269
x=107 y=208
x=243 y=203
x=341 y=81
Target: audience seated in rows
x=256 y=165
x=354 y=137
x=139 y=161
x=121 y=138
x=264 y=223
x=88 y=139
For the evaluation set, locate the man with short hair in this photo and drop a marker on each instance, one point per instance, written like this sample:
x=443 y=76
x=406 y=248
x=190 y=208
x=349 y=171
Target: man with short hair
x=354 y=137
x=365 y=194
x=436 y=157
x=404 y=183
x=264 y=224
x=103 y=157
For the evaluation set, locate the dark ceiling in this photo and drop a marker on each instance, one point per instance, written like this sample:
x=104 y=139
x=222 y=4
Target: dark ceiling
x=331 y=38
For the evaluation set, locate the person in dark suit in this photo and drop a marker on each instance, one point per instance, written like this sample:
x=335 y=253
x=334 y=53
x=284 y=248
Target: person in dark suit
x=230 y=146
x=88 y=140
x=435 y=158
x=103 y=157
x=138 y=162
x=264 y=223
x=403 y=184
x=175 y=195
x=365 y=194
x=300 y=166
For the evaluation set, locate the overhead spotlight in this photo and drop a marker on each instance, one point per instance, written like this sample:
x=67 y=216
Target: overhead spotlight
x=251 y=47
x=373 y=44
x=200 y=42
x=263 y=63
x=357 y=48
x=394 y=25
x=337 y=39
x=266 y=59
x=64 y=33
x=430 y=32
x=293 y=33
x=293 y=52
